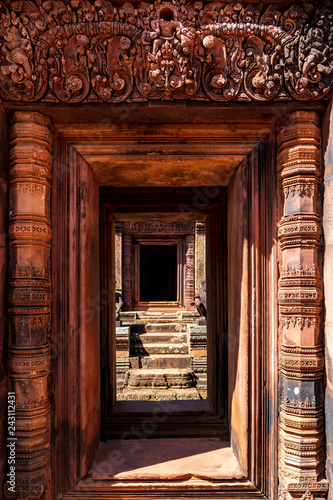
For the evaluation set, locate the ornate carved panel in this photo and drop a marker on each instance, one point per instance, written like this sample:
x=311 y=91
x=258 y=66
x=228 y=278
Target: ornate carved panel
x=85 y=50
x=29 y=299
x=168 y=227
x=300 y=300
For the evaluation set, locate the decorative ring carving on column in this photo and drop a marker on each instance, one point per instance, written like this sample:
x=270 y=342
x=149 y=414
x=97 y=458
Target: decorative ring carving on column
x=300 y=299
x=29 y=300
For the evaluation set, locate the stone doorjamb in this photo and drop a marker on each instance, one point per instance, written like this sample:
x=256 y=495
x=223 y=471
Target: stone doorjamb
x=299 y=297
x=30 y=302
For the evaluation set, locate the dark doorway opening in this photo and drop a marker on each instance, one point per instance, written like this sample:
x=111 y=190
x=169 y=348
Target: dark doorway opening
x=158 y=273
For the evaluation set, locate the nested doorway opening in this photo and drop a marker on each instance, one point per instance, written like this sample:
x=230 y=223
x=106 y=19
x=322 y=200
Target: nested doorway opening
x=246 y=340
x=161 y=318
x=158 y=273
x=166 y=350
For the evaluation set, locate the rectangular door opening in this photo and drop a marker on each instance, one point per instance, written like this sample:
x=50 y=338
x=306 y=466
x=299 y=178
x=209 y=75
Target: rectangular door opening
x=162 y=341
x=158 y=273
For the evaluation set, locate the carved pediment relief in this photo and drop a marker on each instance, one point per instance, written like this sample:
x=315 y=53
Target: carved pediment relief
x=84 y=50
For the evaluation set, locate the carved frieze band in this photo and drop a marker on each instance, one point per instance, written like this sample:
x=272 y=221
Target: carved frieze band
x=302 y=362
x=86 y=50
x=149 y=227
x=30 y=299
x=300 y=299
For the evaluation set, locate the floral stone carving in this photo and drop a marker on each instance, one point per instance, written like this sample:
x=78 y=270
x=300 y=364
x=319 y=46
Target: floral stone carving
x=84 y=50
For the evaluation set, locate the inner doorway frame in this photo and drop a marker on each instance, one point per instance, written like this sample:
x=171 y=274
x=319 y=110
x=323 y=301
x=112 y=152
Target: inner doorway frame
x=178 y=272
x=209 y=417
x=259 y=454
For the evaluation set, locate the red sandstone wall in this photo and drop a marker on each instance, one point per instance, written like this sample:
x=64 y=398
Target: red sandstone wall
x=89 y=327
x=3 y=290
x=75 y=316
x=328 y=287
x=238 y=314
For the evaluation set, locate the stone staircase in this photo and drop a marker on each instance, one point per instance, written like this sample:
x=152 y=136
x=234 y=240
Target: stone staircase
x=159 y=361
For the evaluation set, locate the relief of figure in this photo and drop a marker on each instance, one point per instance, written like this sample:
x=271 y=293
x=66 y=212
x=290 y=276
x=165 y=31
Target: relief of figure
x=315 y=55
x=164 y=28
x=200 y=301
x=18 y=52
x=119 y=305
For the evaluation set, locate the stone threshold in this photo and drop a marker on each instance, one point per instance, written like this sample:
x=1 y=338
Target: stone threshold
x=152 y=469
x=164 y=460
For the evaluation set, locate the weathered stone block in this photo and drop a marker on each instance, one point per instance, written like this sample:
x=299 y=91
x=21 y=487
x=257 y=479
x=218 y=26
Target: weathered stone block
x=122 y=341
x=197 y=338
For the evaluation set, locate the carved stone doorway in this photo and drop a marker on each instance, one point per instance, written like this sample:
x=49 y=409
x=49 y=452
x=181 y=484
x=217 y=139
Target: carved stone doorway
x=136 y=238
x=251 y=338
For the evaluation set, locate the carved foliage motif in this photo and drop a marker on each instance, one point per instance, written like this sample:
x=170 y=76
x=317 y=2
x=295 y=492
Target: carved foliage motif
x=85 y=50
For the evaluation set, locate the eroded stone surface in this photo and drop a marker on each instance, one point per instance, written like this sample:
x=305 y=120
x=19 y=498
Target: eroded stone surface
x=160 y=378
x=159 y=394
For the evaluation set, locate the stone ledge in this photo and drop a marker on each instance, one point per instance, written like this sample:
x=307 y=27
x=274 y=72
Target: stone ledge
x=162 y=460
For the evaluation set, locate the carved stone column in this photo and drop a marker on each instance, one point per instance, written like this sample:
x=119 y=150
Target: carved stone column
x=300 y=309
x=200 y=254
x=127 y=272
x=189 y=271
x=118 y=257
x=29 y=300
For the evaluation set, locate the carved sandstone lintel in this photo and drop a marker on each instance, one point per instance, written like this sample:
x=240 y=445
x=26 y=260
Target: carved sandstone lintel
x=91 y=51
x=29 y=300
x=300 y=298
x=168 y=227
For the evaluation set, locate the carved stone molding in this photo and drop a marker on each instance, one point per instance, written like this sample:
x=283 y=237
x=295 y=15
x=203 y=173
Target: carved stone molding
x=302 y=362
x=168 y=227
x=29 y=300
x=85 y=50
x=300 y=298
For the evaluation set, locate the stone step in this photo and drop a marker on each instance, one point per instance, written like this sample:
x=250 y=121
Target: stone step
x=161 y=348
x=189 y=315
x=159 y=313
x=165 y=361
x=158 y=320
x=157 y=338
x=164 y=327
x=153 y=316
x=158 y=395
x=159 y=379
x=157 y=327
